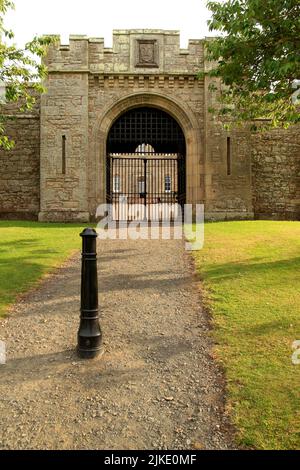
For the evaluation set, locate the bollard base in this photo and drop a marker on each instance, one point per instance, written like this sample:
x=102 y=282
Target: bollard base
x=90 y=354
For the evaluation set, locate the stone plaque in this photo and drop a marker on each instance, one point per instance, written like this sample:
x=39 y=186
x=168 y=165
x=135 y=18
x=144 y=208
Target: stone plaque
x=146 y=53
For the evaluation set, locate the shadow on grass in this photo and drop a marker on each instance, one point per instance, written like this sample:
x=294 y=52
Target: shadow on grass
x=267 y=328
x=26 y=242
x=227 y=271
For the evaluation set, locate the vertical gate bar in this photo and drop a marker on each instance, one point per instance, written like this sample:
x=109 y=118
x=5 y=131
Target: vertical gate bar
x=131 y=174
x=116 y=171
x=127 y=173
x=157 y=187
x=124 y=176
x=126 y=188
x=121 y=162
x=145 y=188
x=170 y=173
x=149 y=176
x=173 y=189
x=123 y=186
x=158 y=165
x=178 y=178
x=118 y=195
x=112 y=162
x=113 y=165
x=114 y=194
x=136 y=185
x=172 y=180
x=140 y=166
x=157 y=180
x=110 y=182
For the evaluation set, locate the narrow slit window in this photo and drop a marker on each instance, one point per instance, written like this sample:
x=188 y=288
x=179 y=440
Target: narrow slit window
x=63 y=163
x=228 y=156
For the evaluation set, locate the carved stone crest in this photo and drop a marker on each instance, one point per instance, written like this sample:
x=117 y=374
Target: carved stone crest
x=146 y=53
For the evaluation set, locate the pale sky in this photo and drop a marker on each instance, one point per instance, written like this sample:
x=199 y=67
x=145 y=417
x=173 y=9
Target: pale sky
x=97 y=18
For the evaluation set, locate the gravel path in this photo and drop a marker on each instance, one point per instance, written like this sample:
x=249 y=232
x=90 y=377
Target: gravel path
x=155 y=387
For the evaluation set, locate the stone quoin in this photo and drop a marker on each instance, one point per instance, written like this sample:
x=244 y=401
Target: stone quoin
x=57 y=169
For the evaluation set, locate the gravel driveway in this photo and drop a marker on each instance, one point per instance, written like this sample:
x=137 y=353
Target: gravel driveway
x=155 y=387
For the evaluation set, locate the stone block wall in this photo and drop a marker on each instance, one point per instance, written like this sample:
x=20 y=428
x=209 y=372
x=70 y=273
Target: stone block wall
x=276 y=174
x=57 y=171
x=20 y=167
x=228 y=175
x=143 y=68
x=227 y=178
x=64 y=135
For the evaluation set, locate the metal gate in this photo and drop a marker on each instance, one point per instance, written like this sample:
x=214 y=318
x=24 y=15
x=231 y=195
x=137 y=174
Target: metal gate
x=149 y=187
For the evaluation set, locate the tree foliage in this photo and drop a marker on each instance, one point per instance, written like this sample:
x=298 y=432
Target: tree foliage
x=21 y=71
x=257 y=57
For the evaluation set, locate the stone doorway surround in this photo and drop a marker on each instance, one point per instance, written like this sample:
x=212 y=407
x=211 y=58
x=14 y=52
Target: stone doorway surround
x=184 y=118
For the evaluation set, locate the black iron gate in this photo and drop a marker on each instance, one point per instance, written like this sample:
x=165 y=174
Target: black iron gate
x=146 y=186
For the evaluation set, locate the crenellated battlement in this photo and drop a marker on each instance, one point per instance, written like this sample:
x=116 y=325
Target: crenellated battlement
x=134 y=51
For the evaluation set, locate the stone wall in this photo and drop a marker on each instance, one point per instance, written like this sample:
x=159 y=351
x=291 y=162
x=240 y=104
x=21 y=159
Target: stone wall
x=143 y=68
x=64 y=148
x=276 y=174
x=20 y=167
x=228 y=191
x=90 y=85
x=58 y=167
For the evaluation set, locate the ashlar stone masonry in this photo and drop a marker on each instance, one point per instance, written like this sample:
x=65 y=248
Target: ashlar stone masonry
x=57 y=171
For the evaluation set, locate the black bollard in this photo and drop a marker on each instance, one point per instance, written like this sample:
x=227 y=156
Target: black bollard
x=89 y=333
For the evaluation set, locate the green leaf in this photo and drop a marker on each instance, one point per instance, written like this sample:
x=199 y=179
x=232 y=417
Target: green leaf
x=256 y=55
x=20 y=69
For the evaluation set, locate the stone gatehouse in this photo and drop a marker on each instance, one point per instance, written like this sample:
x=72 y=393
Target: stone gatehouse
x=58 y=169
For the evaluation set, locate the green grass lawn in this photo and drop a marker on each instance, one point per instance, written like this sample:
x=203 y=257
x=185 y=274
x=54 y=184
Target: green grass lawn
x=251 y=276
x=29 y=250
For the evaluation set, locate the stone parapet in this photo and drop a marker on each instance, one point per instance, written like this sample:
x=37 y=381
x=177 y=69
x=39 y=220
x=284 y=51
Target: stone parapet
x=137 y=51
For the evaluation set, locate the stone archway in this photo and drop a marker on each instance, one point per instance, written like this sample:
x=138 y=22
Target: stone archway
x=185 y=119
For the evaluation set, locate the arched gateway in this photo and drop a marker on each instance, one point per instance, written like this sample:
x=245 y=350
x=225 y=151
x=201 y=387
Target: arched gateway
x=181 y=136
x=145 y=170
x=105 y=106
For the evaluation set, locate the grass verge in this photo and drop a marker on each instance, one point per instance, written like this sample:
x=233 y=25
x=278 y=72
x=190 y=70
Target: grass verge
x=251 y=278
x=28 y=251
